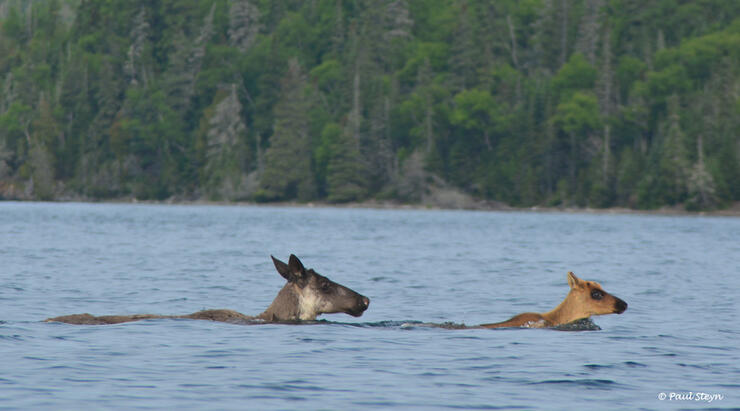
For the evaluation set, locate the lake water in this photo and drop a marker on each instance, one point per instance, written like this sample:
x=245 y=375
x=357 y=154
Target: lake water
x=680 y=276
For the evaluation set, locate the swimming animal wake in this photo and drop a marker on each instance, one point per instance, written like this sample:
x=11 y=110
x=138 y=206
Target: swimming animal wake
x=584 y=324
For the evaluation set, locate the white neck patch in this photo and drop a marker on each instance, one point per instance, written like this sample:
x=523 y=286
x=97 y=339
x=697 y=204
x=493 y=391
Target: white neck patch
x=308 y=305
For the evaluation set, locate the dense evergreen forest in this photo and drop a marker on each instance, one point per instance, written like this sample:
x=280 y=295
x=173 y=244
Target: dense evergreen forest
x=585 y=103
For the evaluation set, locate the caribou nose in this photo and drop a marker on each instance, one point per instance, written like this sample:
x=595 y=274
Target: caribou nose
x=620 y=306
x=366 y=302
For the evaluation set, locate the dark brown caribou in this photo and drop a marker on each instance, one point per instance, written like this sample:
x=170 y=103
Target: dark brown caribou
x=306 y=295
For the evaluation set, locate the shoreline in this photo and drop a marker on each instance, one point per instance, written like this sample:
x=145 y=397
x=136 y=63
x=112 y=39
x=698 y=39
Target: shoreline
x=486 y=206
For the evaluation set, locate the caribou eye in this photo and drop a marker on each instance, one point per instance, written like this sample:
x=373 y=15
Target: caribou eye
x=325 y=286
x=597 y=295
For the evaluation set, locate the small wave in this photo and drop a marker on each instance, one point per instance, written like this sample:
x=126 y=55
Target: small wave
x=696 y=366
x=651 y=292
x=214 y=354
x=711 y=347
x=377 y=324
x=598 y=366
x=389 y=323
x=220 y=287
x=446 y=325
x=294 y=385
x=382 y=279
x=584 y=324
x=486 y=407
x=236 y=321
x=35 y=358
x=14 y=337
x=587 y=382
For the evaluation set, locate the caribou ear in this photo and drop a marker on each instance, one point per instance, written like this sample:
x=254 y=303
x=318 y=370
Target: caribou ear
x=282 y=268
x=297 y=271
x=573 y=281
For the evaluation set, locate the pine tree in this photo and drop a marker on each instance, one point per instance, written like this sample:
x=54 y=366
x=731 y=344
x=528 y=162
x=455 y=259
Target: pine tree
x=673 y=164
x=227 y=158
x=589 y=30
x=288 y=174
x=346 y=179
x=140 y=32
x=603 y=188
x=463 y=62
x=701 y=188
x=398 y=22
x=5 y=157
x=551 y=34
x=41 y=160
x=186 y=62
x=244 y=24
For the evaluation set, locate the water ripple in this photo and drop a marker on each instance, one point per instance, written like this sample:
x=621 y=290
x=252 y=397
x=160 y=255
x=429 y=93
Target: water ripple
x=415 y=265
x=587 y=383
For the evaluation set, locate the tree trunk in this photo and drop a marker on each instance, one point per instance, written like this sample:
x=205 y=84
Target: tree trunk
x=355 y=116
x=564 y=33
x=607 y=153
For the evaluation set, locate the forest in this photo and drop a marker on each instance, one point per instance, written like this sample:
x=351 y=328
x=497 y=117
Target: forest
x=556 y=103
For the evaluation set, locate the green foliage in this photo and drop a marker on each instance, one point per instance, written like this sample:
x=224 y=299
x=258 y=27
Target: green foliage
x=330 y=137
x=436 y=54
x=578 y=115
x=345 y=175
x=480 y=117
x=13 y=27
x=576 y=74
x=527 y=102
x=475 y=109
x=672 y=80
x=629 y=70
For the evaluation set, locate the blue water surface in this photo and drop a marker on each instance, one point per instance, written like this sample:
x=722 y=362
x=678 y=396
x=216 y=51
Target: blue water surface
x=680 y=276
